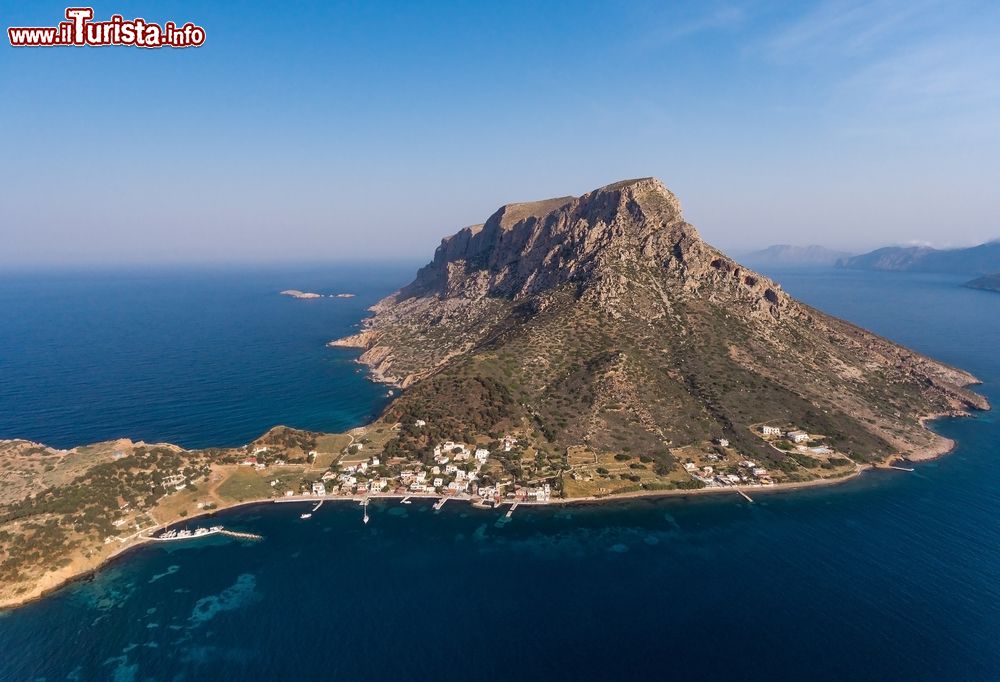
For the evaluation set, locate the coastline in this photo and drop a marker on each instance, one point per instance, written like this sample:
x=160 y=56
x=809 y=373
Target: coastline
x=56 y=584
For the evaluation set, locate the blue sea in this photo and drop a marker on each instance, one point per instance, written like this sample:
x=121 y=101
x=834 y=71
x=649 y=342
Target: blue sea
x=893 y=576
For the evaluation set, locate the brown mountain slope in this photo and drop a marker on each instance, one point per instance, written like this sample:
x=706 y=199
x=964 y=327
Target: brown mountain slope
x=604 y=322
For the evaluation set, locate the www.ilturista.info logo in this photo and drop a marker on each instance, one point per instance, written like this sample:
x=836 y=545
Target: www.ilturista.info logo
x=80 y=30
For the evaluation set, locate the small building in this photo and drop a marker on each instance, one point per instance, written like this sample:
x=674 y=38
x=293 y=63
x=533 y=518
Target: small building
x=318 y=488
x=770 y=430
x=375 y=461
x=798 y=436
x=420 y=423
x=482 y=454
x=722 y=442
x=438 y=482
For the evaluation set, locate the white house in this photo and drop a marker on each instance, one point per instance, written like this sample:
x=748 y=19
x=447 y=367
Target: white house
x=318 y=488
x=722 y=442
x=482 y=454
x=798 y=436
x=770 y=430
x=438 y=482
x=420 y=423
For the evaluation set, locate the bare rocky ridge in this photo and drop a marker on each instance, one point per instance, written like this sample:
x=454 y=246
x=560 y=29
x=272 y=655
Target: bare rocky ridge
x=614 y=292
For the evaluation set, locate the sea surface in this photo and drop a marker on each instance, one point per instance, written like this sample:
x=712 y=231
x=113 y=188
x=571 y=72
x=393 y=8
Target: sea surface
x=893 y=576
x=196 y=357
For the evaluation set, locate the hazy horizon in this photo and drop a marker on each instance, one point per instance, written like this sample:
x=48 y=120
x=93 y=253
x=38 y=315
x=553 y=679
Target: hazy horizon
x=334 y=132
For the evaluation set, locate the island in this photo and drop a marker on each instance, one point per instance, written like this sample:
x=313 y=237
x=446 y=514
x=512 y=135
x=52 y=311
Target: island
x=986 y=283
x=565 y=351
x=295 y=293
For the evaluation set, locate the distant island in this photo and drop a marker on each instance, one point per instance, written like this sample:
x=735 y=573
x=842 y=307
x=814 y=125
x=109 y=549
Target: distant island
x=569 y=350
x=789 y=255
x=975 y=260
x=295 y=293
x=987 y=283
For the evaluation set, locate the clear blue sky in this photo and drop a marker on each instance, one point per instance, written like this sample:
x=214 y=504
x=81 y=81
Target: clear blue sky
x=326 y=130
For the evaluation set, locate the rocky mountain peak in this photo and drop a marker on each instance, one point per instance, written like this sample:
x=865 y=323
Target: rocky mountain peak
x=600 y=241
x=524 y=248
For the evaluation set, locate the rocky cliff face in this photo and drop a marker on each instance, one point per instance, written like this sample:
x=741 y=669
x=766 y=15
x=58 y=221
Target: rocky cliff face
x=625 y=247
x=592 y=242
x=613 y=293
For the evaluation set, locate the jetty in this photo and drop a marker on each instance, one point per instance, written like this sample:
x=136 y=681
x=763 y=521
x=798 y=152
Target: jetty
x=510 y=512
x=440 y=503
x=170 y=535
x=745 y=496
x=893 y=466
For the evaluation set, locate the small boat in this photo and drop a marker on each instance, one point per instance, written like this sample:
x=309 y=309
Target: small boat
x=305 y=516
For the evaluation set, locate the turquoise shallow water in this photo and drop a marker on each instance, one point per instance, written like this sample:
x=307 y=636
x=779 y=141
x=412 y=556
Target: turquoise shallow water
x=891 y=576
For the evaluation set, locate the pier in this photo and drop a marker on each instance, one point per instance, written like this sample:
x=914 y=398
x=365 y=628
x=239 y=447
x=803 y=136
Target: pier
x=440 y=503
x=893 y=466
x=510 y=512
x=745 y=496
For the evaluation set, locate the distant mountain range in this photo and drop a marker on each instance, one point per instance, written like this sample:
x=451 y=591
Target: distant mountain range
x=976 y=260
x=787 y=254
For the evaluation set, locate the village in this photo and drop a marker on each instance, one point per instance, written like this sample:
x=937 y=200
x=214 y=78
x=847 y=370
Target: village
x=458 y=471
x=487 y=472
